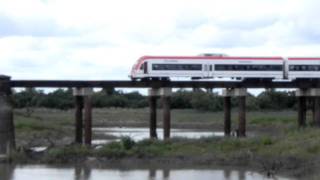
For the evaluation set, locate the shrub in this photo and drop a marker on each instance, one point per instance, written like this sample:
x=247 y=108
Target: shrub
x=127 y=142
x=205 y=101
x=112 y=150
x=66 y=153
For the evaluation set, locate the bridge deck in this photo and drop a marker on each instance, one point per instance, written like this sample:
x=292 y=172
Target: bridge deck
x=173 y=84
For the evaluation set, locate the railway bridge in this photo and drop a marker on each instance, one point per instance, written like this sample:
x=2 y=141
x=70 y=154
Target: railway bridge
x=157 y=89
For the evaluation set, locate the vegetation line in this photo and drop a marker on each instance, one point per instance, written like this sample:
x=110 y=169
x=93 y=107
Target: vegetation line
x=63 y=99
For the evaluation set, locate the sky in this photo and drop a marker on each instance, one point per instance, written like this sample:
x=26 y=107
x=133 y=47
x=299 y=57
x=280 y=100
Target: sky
x=102 y=39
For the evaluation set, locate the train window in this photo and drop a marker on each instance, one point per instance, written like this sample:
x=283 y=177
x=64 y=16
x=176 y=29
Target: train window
x=155 y=66
x=218 y=67
x=292 y=68
x=255 y=67
x=145 y=67
x=242 y=67
x=304 y=67
x=176 y=67
x=141 y=67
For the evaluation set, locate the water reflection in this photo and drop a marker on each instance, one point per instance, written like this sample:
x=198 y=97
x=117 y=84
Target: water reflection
x=138 y=134
x=82 y=173
x=153 y=174
x=6 y=171
x=40 y=172
x=226 y=174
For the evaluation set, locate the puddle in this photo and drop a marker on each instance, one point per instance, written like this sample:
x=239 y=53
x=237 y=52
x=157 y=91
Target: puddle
x=39 y=148
x=138 y=134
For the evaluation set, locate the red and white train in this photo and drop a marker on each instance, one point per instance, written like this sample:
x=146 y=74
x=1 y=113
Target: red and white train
x=221 y=66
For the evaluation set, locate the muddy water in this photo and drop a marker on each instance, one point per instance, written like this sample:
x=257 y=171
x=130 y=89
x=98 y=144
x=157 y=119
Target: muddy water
x=43 y=172
x=138 y=134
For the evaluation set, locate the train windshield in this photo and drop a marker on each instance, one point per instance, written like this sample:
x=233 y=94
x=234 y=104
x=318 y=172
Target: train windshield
x=133 y=69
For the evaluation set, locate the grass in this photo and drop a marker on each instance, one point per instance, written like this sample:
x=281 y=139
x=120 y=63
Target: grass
x=42 y=127
x=298 y=143
x=72 y=153
x=122 y=116
x=57 y=124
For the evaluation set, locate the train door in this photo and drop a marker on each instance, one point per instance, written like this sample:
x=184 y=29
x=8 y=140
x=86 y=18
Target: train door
x=210 y=70
x=206 y=70
x=145 y=68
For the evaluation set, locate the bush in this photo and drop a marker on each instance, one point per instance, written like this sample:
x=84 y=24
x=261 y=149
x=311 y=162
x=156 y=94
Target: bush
x=266 y=141
x=63 y=99
x=205 y=101
x=127 y=142
x=276 y=100
x=112 y=150
x=181 y=100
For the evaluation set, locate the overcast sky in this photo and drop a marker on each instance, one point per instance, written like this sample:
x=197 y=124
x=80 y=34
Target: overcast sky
x=66 y=39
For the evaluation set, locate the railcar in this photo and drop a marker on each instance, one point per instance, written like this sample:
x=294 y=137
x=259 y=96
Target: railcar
x=303 y=68
x=196 y=67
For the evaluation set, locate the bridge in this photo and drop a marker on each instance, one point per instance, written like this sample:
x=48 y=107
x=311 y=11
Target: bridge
x=157 y=89
x=162 y=84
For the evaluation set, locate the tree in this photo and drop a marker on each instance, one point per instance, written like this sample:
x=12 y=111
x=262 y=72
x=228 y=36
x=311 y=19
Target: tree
x=181 y=99
x=276 y=100
x=205 y=101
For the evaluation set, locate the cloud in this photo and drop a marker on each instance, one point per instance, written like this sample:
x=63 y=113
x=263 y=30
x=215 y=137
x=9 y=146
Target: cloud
x=102 y=39
x=35 y=28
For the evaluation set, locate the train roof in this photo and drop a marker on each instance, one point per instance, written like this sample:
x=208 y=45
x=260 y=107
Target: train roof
x=211 y=57
x=304 y=58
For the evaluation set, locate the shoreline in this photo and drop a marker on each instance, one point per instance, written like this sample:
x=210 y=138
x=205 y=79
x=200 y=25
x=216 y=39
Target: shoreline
x=300 y=168
x=138 y=157
x=277 y=145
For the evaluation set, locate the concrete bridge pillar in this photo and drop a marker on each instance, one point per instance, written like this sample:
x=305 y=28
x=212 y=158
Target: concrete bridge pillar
x=227 y=111
x=241 y=93
x=166 y=98
x=242 y=116
x=153 y=96
x=316 y=111
x=7 y=132
x=83 y=100
x=314 y=95
x=312 y=106
x=78 y=119
x=165 y=94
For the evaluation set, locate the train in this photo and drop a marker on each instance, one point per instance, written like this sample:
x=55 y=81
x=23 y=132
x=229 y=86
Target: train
x=223 y=66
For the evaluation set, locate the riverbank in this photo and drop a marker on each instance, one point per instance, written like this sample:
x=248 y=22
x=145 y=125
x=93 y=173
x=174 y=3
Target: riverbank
x=294 y=154
x=277 y=146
